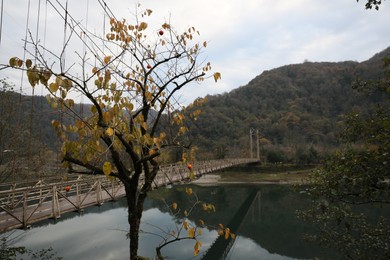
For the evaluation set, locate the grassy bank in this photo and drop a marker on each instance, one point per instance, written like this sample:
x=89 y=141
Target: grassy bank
x=269 y=173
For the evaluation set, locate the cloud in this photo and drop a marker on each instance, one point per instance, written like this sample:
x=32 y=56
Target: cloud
x=244 y=38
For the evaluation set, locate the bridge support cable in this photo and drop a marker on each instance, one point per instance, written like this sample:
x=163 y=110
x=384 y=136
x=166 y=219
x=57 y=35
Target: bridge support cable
x=1 y=18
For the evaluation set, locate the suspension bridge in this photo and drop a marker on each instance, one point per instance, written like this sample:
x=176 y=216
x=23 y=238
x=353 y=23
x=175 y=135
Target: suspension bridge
x=22 y=204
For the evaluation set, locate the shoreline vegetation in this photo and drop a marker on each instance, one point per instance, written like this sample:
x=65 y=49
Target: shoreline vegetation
x=270 y=174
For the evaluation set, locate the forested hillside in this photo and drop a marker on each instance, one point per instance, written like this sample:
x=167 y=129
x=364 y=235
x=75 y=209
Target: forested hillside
x=298 y=110
x=28 y=142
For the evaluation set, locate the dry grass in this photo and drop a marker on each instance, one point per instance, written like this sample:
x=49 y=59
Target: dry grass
x=273 y=176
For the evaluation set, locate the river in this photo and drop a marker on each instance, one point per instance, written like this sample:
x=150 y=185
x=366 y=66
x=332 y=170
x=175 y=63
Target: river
x=270 y=230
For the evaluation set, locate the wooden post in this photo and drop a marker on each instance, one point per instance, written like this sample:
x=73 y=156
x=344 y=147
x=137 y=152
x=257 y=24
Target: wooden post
x=99 y=198
x=78 y=202
x=56 y=211
x=13 y=195
x=25 y=209
x=113 y=189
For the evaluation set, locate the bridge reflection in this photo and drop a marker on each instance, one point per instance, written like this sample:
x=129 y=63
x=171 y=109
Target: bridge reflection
x=221 y=247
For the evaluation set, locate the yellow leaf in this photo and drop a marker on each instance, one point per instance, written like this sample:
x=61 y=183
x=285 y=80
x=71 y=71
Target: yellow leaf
x=144 y=125
x=107 y=168
x=157 y=142
x=166 y=26
x=117 y=98
x=55 y=123
x=185 y=213
x=185 y=225
x=233 y=236
x=200 y=231
x=69 y=102
x=107 y=75
x=174 y=205
x=183 y=130
x=227 y=233
x=149 y=12
x=107 y=116
x=129 y=106
x=64 y=93
x=191 y=232
x=196 y=246
x=53 y=87
x=112 y=21
x=32 y=76
x=93 y=109
x=89 y=157
x=82 y=132
x=79 y=124
x=13 y=61
x=67 y=84
x=142 y=26
x=217 y=76
x=47 y=74
x=189 y=191
x=107 y=59
x=28 y=63
x=110 y=131
x=201 y=222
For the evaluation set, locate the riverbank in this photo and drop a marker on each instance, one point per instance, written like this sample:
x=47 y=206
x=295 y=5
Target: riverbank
x=259 y=175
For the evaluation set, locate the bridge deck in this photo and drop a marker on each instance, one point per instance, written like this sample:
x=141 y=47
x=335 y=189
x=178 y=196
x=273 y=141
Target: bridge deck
x=22 y=206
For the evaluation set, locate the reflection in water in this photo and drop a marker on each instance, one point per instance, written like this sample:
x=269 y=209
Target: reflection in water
x=248 y=248
x=270 y=230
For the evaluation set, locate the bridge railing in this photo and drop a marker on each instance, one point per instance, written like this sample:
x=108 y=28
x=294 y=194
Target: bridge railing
x=169 y=174
x=21 y=205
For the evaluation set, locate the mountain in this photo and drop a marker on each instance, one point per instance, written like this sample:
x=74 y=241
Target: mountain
x=298 y=110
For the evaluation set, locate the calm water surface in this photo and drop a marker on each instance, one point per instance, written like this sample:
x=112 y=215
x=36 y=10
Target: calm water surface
x=270 y=230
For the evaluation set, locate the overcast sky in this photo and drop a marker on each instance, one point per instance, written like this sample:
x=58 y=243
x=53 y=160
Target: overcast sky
x=245 y=37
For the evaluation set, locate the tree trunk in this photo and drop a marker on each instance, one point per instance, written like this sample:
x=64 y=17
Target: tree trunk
x=134 y=236
x=135 y=209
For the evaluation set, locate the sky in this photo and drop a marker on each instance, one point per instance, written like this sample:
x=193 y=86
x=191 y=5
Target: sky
x=244 y=38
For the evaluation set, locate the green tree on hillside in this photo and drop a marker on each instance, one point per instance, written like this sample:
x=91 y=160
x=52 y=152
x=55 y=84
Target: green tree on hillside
x=7 y=111
x=351 y=193
x=131 y=85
